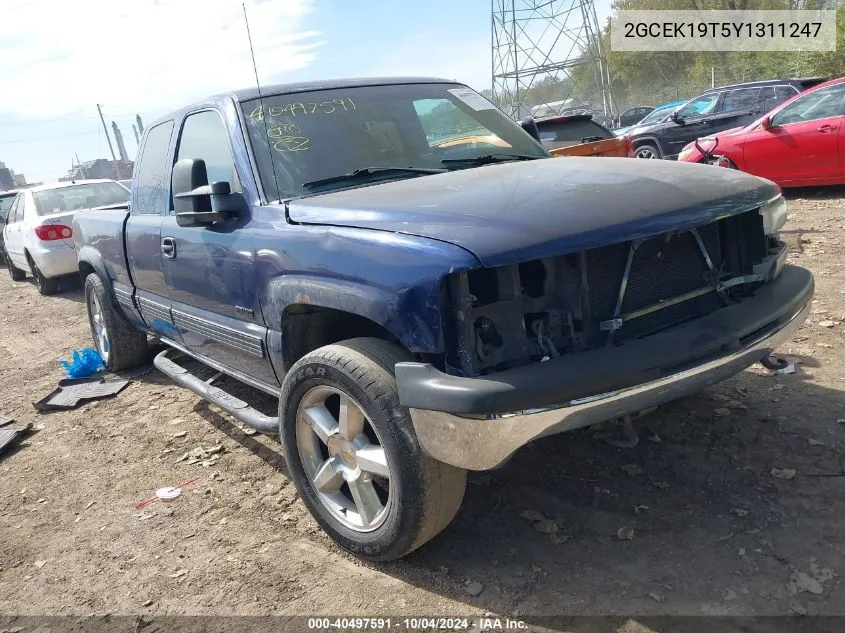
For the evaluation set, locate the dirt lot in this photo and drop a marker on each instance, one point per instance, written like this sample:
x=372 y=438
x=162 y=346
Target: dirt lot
x=712 y=530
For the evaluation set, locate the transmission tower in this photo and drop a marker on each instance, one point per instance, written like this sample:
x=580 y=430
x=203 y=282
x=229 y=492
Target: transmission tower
x=537 y=39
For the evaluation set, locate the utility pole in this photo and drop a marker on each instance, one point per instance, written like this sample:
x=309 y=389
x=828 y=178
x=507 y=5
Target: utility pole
x=106 y=130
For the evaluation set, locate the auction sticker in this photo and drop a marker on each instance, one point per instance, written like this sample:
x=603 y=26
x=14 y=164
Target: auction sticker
x=471 y=98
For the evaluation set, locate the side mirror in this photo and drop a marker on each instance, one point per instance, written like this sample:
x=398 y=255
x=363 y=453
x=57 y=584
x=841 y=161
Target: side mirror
x=198 y=203
x=530 y=125
x=675 y=117
x=766 y=123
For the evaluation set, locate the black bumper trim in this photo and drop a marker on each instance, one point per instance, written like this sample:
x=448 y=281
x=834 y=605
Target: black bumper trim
x=582 y=375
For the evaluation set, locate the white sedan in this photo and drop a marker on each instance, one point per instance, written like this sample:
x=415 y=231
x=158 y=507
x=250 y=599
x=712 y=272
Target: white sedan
x=38 y=234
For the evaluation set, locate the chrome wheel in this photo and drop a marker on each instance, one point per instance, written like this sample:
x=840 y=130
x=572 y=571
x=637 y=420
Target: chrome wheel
x=343 y=458
x=646 y=152
x=98 y=325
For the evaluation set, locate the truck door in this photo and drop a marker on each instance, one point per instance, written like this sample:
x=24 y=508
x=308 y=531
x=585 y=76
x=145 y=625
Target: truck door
x=143 y=232
x=210 y=270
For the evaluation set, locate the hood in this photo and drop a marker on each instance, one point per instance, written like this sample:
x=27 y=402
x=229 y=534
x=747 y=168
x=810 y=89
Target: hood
x=519 y=211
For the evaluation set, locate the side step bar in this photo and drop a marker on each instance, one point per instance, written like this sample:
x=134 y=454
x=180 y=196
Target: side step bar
x=230 y=404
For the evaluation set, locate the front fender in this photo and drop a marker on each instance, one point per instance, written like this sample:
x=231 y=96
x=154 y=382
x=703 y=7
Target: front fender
x=411 y=314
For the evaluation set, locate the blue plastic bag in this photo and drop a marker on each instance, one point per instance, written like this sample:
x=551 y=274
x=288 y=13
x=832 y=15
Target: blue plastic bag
x=84 y=363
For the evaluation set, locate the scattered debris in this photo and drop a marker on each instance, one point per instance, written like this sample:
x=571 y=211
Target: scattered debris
x=204 y=455
x=800 y=582
x=640 y=508
x=168 y=490
x=72 y=391
x=625 y=533
x=827 y=323
x=178 y=574
x=740 y=552
x=11 y=435
x=722 y=411
x=632 y=469
x=557 y=538
x=814 y=442
x=176 y=436
x=657 y=597
x=84 y=362
x=90 y=503
x=784 y=473
x=740 y=512
x=655 y=438
x=789 y=369
x=630 y=439
x=40 y=563
x=148 y=603
x=474 y=588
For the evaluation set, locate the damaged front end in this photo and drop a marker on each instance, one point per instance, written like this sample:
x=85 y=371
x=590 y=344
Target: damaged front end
x=512 y=316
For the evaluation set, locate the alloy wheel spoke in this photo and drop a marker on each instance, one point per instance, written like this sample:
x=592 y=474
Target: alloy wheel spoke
x=321 y=421
x=327 y=479
x=366 y=500
x=351 y=419
x=372 y=459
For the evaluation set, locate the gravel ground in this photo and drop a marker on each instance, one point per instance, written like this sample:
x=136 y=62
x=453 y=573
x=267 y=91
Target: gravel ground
x=731 y=504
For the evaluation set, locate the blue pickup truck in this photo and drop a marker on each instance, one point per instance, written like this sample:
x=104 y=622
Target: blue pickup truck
x=423 y=288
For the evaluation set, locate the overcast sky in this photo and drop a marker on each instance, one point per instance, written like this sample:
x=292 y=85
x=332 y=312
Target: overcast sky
x=59 y=58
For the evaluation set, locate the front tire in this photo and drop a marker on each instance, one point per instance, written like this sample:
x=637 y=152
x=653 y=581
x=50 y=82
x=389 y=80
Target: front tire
x=647 y=150
x=120 y=346
x=353 y=454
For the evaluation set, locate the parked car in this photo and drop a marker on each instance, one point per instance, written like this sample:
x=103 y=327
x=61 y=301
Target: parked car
x=659 y=114
x=713 y=111
x=632 y=116
x=579 y=135
x=6 y=200
x=37 y=234
x=420 y=312
x=799 y=143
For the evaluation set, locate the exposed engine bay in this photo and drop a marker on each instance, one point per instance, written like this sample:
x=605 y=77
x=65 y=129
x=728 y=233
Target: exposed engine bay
x=538 y=310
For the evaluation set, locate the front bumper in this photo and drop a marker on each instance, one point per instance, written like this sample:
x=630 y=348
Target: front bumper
x=477 y=423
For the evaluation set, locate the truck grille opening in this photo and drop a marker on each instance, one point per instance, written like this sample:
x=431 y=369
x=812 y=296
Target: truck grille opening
x=537 y=310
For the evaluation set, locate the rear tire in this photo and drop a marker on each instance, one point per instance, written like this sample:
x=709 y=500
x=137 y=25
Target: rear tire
x=409 y=498
x=14 y=272
x=119 y=345
x=46 y=285
x=647 y=150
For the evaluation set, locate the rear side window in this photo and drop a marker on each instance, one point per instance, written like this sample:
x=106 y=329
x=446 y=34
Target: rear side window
x=742 y=99
x=149 y=194
x=554 y=135
x=204 y=136
x=784 y=92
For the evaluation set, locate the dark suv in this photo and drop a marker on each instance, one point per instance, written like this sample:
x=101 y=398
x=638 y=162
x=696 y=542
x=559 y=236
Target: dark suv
x=716 y=110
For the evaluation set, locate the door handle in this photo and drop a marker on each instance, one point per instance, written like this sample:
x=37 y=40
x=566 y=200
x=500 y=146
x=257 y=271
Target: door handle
x=824 y=129
x=168 y=247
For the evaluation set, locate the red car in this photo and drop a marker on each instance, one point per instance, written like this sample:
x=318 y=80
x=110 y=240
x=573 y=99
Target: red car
x=799 y=143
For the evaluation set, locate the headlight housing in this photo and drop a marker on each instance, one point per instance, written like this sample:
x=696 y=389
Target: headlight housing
x=774 y=215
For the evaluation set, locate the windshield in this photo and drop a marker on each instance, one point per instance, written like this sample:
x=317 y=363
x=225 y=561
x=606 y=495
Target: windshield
x=311 y=136
x=655 y=116
x=83 y=196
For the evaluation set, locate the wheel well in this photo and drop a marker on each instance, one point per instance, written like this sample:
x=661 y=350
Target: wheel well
x=85 y=269
x=308 y=327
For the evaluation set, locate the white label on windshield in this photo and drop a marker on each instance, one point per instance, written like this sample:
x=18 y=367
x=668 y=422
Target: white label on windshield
x=472 y=98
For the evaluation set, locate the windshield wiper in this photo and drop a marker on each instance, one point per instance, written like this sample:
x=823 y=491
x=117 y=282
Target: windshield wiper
x=490 y=158
x=370 y=171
